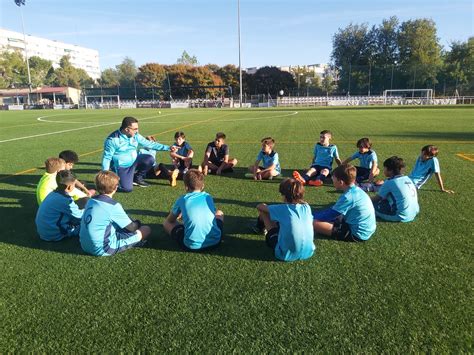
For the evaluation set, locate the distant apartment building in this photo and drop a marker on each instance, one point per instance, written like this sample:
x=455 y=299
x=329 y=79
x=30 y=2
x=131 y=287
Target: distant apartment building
x=81 y=57
x=317 y=69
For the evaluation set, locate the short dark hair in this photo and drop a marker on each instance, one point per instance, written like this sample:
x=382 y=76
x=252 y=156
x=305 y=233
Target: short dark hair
x=326 y=131
x=220 y=135
x=293 y=190
x=127 y=121
x=179 y=134
x=69 y=156
x=364 y=142
x=194 y=180
x=346 y=173
x=395 y=165
x=430 y=150
x=64 y=178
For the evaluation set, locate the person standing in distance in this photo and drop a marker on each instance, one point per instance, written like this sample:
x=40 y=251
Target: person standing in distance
x=121 y=154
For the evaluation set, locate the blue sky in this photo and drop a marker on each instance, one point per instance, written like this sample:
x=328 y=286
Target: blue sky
x=274 y=32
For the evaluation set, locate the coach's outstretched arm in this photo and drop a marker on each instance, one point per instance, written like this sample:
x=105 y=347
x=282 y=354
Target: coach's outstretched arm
x=151 y=144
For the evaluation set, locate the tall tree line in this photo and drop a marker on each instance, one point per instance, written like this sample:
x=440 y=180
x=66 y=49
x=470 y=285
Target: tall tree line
x=13 y=72
x=396 y=55
x=365 y=60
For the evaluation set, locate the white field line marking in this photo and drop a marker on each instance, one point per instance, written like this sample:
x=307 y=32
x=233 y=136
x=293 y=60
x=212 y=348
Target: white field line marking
x=42 y=119
x=182 y=113
x=65 y=130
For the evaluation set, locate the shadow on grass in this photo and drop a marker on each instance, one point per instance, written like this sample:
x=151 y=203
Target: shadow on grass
x=240 y=172
x=18 y=212
x=232 y=246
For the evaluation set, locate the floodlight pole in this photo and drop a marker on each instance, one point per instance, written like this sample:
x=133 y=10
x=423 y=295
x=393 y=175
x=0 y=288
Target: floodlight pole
x=240 y=63
x=26 y=56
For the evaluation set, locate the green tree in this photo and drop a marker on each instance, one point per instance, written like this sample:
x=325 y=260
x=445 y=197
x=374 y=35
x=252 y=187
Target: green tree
x=306 y=81
x=420 y=52
x=386 y=56
x=109 y=78
x=127 y=72
x=353 y=54
x=187 y=59
x=328 y=83
x=386 y=42
x=270 y=80
x=458 y=68
x=68 y=75
x=12 y=70
x=40 y=68
x=470 y=45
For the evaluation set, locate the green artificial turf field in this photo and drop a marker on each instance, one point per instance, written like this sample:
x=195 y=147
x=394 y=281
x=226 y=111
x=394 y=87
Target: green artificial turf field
x=408 y=289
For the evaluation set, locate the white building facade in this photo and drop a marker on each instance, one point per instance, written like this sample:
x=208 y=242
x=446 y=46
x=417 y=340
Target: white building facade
x=80 y=57
x=316 y=69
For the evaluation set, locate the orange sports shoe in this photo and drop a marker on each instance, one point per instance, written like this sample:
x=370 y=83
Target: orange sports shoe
x=297 y=176
x=315 y=183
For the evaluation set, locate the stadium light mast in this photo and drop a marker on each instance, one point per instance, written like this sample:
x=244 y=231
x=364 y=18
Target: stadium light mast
x=240 y=63
x=19 y=3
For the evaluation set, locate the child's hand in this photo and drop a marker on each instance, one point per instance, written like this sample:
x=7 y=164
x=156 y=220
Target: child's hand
x=173 y=149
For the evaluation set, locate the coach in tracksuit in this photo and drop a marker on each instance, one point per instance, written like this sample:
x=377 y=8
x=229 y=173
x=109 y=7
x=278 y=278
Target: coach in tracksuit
x=120 y=154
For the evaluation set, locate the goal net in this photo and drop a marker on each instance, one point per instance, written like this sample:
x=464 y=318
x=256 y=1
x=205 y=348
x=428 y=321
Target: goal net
x=102 y=101
x=408 y=97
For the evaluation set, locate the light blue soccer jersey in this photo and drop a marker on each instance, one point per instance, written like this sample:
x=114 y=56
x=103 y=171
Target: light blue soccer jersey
x=423 y=171
x=58 y=217
x=200 y=225
x=358 y=211
x=269 y=160
x=102 y=227
x=324 y=156
x=121 y=150
x=366 y=159
x=295 y=238
x=401 y=194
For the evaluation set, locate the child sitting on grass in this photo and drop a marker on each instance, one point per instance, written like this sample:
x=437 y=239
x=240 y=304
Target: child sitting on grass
x=203 y=224
x=271 y=163
x=397 y=199
x=289 y=225
x=426 y=165
x=80 y=193
x=58 y=216
x=352 y=218
x=368 y=168
x=216 y=158
x=321 y=167
x=47 y=183
x=106 y=229
x=182 y=160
